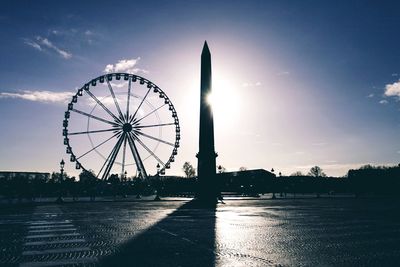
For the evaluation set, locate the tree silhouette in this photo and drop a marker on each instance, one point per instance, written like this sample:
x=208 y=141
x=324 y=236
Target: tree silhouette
x=297 y=173
x=316 y=171
x=242 y=169
x=88 y=180
x=188 y=169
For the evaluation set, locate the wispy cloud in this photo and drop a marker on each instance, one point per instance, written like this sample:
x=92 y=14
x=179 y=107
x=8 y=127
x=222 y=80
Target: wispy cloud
x=44 y=44
x=331 y=167
x=33 y=44
x=276 y=144
x=40 y=96
x=338 y=166
x=331 y=161
x=249 y=84
x=393 y=89
x=283 y=73
x=319 y=144
x=371 y=95
x=125 y=65
x=74 y=35
x=383 y=102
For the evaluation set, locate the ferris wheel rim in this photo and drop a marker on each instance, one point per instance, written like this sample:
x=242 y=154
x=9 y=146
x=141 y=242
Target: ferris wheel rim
x=121 y=121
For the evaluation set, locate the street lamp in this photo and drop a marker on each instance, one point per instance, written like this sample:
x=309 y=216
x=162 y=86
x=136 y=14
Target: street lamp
x=158 y=168
x=62 y=163
x=220 y=169
x=157 y=198
x=273 y=193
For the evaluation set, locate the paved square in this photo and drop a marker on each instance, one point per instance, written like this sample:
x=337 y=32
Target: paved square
x=264 y=232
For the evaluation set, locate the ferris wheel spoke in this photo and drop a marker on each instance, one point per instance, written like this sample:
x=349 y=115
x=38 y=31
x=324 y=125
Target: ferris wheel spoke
x=107 y=159
x=124 y=155
x=141 y=103
x=156 y=139
x=93 y=117
x=112 y=157
x=150 y=152
x=102 y=143
x=103 y=106
x=94 y=131
x=155 y=125
x=129 y=97
x=136 y=156
x=115 y=99
x=148 y=114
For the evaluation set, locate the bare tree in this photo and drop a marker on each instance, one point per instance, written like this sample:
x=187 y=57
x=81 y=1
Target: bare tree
x=316 y=171
x=242 y=169
x=188 y=169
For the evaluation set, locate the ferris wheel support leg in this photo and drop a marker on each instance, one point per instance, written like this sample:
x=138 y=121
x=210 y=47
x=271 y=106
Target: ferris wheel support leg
x=113 y=156
x=136 y=156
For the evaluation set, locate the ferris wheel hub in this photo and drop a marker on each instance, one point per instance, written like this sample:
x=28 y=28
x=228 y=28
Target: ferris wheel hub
x=127 y=127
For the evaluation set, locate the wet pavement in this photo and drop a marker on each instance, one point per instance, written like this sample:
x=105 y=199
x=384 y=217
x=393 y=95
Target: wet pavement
x=264 y=232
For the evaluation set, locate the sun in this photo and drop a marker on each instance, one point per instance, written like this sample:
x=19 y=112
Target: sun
x=225 y=101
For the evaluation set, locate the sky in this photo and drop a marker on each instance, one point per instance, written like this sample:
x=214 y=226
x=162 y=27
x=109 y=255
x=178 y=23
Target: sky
x=295 y=83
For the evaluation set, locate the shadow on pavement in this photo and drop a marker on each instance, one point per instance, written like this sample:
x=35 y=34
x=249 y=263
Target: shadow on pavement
x=185 y=237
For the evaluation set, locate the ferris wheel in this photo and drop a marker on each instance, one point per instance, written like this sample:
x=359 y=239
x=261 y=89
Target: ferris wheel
x=121 y=123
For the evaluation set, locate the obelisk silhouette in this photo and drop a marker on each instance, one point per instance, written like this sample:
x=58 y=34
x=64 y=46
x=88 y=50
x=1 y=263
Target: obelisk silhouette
x=206 y=167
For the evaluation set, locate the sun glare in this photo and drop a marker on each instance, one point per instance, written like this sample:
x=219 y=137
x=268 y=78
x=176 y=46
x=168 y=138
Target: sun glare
x=225 y=101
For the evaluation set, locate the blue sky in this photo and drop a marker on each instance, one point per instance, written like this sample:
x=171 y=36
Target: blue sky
x=297 y=83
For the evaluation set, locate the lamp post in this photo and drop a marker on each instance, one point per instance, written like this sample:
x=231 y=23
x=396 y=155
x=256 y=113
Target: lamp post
x=158 y=168
x=157 y=198
x=62 y=163
x=219 y=168
x=273 y=193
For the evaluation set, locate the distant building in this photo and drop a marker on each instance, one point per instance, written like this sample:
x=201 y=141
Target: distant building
x=248 y=181
x=10 y=175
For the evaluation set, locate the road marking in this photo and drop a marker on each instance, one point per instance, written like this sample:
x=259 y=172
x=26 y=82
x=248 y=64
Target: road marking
x=50 y=226
x=55 y=250
x=38 y=243
x=41 y=222
x=52 y=230
x=58 y=263
x=51 y=235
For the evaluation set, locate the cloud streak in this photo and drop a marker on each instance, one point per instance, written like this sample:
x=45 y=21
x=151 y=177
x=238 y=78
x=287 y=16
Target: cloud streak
x=44 y=44
x=40 y=96
x=33 y=44
x=247 y=84
x=125 y=65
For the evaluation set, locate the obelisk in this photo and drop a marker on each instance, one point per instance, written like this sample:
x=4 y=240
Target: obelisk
x=206 y=166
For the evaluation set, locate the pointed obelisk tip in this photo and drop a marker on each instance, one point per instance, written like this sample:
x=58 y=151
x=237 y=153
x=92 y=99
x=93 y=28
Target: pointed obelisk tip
x=205 y=48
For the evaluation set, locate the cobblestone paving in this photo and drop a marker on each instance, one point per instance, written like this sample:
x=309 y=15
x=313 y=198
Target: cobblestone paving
x=299 y=232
